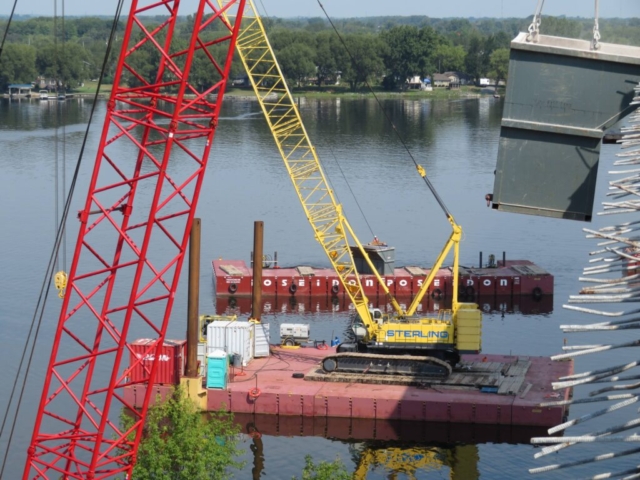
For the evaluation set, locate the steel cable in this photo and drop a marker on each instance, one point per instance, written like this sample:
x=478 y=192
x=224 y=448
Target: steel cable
x=335 y=159
x=6 y=30
x=393 y=125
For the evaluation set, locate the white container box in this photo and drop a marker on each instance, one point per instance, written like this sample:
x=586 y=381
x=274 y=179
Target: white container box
x=261 y=343
x=202 y=358
x=232 y=337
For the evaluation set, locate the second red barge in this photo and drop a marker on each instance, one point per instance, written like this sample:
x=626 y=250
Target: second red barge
x=501 y=278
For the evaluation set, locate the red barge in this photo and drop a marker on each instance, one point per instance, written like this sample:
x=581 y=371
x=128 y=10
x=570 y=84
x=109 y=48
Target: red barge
x=505 y=278
x=486 y=389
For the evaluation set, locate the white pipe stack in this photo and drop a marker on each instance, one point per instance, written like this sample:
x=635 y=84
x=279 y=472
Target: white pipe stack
x=612 y=278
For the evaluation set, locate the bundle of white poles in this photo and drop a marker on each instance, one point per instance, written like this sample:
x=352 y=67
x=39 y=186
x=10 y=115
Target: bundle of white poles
x=612 y=283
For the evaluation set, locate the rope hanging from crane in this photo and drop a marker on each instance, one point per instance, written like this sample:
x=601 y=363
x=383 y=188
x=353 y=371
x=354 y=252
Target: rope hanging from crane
x=419 y=167
x=6 y=30
x=60 y=278
x=337 y=162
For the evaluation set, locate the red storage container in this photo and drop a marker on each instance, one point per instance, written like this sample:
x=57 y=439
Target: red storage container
x=171 y=362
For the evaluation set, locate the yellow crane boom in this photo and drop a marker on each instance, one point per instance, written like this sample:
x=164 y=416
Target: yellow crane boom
x=316 y=196
x=381 y=341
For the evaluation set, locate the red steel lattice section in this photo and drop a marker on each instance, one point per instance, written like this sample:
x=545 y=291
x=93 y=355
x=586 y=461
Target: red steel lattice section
x=133 y=236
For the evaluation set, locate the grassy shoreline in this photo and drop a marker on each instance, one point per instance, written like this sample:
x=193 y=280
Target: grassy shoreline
x=328 y=92
x=89 y=89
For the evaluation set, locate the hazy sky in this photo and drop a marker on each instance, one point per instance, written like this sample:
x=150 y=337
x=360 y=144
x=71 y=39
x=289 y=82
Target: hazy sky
x=361 y=8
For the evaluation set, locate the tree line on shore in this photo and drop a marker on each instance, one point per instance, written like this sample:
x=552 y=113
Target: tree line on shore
x=383 y=51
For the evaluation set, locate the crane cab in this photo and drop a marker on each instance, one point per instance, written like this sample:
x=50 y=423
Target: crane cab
x=359 y=328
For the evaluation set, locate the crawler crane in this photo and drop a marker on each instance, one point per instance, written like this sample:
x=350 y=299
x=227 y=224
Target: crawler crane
x=404 y=342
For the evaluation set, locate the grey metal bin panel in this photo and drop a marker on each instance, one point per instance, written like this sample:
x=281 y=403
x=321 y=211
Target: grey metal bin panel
x=560 y=98
x=537 y=173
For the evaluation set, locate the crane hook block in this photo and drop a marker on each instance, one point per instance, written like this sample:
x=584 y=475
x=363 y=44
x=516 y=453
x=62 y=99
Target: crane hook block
x=60 y=281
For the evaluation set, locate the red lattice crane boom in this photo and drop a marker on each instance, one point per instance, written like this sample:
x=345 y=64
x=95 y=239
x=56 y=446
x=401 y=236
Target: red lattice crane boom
x=142 y=198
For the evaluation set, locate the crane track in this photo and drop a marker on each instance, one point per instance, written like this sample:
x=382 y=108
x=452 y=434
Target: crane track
x=363 y=363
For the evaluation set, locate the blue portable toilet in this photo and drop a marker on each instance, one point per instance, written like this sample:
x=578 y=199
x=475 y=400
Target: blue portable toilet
x=217 y=369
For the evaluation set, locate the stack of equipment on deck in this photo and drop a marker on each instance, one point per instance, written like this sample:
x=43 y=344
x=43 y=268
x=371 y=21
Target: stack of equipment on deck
x=294 y=333
x=246 y=339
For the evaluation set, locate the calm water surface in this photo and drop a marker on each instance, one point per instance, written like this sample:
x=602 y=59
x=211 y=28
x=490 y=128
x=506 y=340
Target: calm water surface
x=457 y=143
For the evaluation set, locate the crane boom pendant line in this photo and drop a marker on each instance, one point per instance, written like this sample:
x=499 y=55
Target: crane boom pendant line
x=140 y=205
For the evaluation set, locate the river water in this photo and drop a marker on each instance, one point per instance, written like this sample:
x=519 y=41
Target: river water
x=374 y=178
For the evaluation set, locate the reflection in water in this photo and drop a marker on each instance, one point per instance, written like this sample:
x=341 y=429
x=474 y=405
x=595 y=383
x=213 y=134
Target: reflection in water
x=388 y=447
x=32 y=114
x=504 y=305
x=257 y=449
x=395 y=458
x=455 y=141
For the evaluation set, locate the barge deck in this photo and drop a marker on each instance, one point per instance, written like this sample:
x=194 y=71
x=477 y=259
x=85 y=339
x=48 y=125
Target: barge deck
x=486 y=389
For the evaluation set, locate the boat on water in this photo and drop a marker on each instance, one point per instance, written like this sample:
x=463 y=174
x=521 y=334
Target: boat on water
x=43 y=94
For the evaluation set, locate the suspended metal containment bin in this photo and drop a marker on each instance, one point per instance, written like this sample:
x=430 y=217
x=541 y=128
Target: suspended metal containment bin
x=217 y=369
x=561 y=96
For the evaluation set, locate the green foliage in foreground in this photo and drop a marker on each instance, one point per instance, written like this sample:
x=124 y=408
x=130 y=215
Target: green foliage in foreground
x=180 y=443
x=324 y=470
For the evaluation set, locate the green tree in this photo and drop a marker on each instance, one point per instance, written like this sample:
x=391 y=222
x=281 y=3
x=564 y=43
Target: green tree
x=499 y=64
x=365 y=62
x=63 y=63
x=324 y=470
x=410 y=51
x=329 y=54
x=404 y=53
x=475 y=61
x=449 y=57
x=179 y=443
x=560 y=27
x=145 y=62
x=296 y=62
x=203 y=74
x=281 y=38
x=18 y=64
